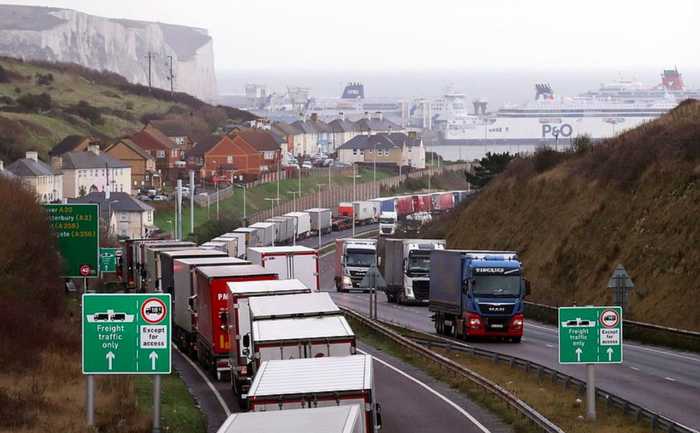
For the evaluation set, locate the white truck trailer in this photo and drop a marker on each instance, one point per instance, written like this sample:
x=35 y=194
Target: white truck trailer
x=302 y=223
x=289 y=262
x=405 y=265
x=267 y=233
x=335 y=419
x=321 y=219
x=317 y=382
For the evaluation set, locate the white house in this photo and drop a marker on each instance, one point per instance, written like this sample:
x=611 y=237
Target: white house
x=93 y=171
x=127 y=216
x=46 y=183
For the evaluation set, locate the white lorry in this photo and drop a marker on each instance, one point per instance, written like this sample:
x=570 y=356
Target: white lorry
x=267 y=232
x=333 y=419
x=405 y=265
x=302 y=223
x=353 y=258
x=317 y=382
x=289 y=262
x=287 y=327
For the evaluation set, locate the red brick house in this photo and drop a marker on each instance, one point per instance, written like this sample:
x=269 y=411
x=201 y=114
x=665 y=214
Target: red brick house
x=264 y=142
x=224 y=156
x=161 y=147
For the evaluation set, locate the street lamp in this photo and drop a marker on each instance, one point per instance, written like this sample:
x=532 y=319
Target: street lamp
x=319 y=206
x=354 y=198
x=272 y=204
x=244 y=214
x=294 y=198
x=109 y=213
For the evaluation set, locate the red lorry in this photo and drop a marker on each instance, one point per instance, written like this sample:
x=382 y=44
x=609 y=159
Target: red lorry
x=211 y=310
x=404 y=206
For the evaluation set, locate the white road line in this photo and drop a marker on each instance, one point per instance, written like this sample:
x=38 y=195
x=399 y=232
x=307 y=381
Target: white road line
x=549 y=345
x=432 y=391
x=634 y=368
x=208 y=382
x=627 y=345
x=670 y=379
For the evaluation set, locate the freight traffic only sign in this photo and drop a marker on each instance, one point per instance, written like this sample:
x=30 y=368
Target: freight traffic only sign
x=126 y=333
x=590 y=335
x=77 y=230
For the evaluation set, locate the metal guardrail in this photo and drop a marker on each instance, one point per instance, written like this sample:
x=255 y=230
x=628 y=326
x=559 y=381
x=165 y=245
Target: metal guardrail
x=647 y=332
x=541 y=422
x=656 y=421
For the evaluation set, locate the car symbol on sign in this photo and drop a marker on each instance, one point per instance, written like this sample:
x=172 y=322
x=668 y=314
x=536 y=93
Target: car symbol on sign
x=578 y=323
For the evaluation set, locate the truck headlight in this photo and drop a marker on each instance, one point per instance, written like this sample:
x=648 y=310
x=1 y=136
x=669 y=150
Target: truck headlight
x=347 y=281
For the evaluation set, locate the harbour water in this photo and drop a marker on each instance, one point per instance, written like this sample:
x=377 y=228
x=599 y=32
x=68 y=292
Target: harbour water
x=454 y=152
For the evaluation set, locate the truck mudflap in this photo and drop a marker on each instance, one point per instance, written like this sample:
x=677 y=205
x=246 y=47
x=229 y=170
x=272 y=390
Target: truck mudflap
x=475 y=325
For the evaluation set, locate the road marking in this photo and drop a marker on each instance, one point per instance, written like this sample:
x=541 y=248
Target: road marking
x=634 y=368
x=208 y=382
x=670 y=379
x=549 y=345
x=432 y=391
x=627 y=345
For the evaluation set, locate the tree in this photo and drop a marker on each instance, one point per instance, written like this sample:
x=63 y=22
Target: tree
x=36 y=103
x=489 y=166
x=82 y=192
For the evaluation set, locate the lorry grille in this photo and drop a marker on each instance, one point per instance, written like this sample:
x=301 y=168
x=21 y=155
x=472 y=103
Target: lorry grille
x=496 y=308
x=356 y=277
x=386 y=230
x=421 y=289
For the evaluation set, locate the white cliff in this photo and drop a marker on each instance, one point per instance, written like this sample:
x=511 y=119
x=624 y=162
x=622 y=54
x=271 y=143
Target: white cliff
x=119 y=46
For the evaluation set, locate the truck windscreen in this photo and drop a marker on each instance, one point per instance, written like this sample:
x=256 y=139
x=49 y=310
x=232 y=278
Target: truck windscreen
x=360 y=258
x=386 y=221
x=496 y=285
x=419 y=263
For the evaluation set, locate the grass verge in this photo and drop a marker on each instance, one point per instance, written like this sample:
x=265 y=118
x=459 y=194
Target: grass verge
x=179 y=411
x=564 y=407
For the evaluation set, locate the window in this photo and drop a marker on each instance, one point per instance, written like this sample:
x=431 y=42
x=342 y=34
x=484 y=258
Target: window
x=161 y=154
x=229 y=159
x=354 y=151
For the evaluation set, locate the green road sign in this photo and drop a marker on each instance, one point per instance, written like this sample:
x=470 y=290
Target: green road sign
x=590 y=335
x=108 y=259
x=126 y=333
x=77 y=229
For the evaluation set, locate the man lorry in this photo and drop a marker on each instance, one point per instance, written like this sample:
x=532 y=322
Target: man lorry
x=478 y=293
x=353 y=258
x=303 y=383
x=211 y=307
x=405 y=264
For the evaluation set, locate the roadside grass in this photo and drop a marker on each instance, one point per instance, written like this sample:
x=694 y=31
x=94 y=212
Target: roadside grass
x=179 y=411
x=255 y=198
x=564 y=407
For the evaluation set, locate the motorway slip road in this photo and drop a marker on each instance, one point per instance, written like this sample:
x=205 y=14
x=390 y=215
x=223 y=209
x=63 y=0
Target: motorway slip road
x=660 y=379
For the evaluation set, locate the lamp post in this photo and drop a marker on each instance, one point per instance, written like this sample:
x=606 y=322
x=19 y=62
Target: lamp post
x=354 y=176
x=272 y=207
x=319 y=206
x=109 y=213
x=244 y=210
x=294 y=199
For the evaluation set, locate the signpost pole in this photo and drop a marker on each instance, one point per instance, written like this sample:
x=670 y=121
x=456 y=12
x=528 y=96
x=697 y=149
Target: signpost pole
x=590 y=392
x=90 y=399
x=156 y=403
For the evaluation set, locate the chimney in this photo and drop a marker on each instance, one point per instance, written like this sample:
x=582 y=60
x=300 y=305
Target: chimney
x=94 y=148
x=341 y=115
x=34 y=156
x=380 y=115
x=314 y=117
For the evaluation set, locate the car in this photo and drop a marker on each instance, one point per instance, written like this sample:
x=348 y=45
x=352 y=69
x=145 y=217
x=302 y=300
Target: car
x=307 y=165
x=160 y=197
x=144 y=197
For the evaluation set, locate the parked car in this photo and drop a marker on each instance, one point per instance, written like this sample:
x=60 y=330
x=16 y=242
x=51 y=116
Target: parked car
x=160 y=197
x=307 y=165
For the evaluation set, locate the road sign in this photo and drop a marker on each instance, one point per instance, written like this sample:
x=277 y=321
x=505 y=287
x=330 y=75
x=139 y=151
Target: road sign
x=77 y=230
x=373 y=279
x=590 y=335
x=108 y=259
x=126 y=333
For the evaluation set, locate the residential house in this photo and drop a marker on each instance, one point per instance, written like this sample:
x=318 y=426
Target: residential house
x=294 y=137
x=71 y=143
x=387 y=149
x=374 y=124
x=161 y=147
x=315 y=135
x=342 y=131
x=264 y=142
x=142 y=163
x=126 y=216
x=225 y=156
x=180 y=135
x=93 y=171
x=44 y=181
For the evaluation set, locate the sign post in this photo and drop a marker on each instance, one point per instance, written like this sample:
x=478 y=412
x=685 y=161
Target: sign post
x=77 y=230
x=590 y=336
x=126 y=333
x=373 y=280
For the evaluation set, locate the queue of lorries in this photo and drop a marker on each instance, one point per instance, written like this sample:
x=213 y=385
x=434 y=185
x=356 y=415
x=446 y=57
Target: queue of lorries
x=259 y=319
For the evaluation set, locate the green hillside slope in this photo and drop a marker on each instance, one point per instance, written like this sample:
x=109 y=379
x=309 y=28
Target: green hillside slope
x=83 y=101
x=634 y=200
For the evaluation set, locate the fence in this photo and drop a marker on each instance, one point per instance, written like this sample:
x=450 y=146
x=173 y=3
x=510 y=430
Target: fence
x=329 y=198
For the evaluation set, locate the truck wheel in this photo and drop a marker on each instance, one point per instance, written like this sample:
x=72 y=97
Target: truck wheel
x=516 y=339
x=447 y=330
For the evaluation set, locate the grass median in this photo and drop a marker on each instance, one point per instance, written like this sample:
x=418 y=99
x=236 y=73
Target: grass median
x=564 y=407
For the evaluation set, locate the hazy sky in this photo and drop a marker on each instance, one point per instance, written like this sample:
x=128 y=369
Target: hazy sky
x=434 y=34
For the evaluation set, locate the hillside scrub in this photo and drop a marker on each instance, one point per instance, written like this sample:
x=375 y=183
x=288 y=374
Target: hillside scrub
x=632 y=200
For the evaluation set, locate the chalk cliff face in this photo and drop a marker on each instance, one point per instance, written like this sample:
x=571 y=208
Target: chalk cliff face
x=115 y=45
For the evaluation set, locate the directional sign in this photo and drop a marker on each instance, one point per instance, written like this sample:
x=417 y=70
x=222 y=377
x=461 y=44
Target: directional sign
x=126 y=333
x=108 y=259
x=590 y=335
x=373 y=279
x=77 y=229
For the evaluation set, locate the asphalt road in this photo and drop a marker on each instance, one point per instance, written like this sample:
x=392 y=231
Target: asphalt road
x=412 y=401
x=660 y=379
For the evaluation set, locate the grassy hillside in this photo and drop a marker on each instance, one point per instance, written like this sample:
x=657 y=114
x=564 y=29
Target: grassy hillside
x=634 y=200
x=83 y=101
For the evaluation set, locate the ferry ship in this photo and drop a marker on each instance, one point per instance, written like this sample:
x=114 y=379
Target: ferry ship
x=549 y=119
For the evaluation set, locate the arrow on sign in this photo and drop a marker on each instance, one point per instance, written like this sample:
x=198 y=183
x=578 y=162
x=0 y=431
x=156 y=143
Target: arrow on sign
x=610 y=352
x=110 y=357
x=153 y=356
x=579 y=351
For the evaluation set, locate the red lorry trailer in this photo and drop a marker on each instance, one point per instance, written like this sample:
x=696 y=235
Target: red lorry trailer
x=404 y=206
x=443 y=201
x=422 y=203
x=211 y=300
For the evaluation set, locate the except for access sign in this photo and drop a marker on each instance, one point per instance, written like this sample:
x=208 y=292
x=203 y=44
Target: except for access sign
x=78 y=233
x=590 y=335
x=126 y=333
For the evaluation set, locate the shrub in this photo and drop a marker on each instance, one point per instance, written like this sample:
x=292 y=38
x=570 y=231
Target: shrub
x=44 y=79
x=546 y=158
x=35 y=103
x=582 y=144
x=87 y=112
x=4 y=76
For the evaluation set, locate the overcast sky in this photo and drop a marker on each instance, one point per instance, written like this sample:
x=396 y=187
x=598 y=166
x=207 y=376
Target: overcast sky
x=434 y=34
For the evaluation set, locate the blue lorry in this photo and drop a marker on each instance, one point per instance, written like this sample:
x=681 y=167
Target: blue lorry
x=477 y=293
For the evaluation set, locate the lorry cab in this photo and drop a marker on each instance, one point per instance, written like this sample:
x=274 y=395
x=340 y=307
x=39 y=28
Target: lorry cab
x=387 y=223
x=354 y=257
x=478 y=294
